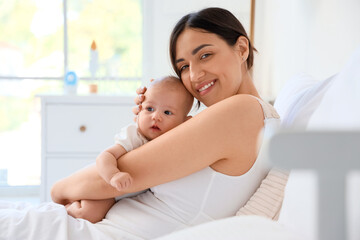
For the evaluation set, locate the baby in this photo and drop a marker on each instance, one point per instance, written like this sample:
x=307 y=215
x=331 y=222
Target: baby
x=167 y=104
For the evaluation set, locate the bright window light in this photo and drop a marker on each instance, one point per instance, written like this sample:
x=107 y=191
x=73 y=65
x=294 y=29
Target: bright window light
x=38 y=49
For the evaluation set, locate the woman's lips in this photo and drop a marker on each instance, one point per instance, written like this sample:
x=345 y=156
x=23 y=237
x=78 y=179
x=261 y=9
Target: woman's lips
x=204 y=88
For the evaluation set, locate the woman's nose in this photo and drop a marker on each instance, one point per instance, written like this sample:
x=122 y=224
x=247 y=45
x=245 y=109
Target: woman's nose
x=196 y=73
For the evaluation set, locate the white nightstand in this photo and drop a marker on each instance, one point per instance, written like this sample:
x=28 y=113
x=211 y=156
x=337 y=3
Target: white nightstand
x=75 y=129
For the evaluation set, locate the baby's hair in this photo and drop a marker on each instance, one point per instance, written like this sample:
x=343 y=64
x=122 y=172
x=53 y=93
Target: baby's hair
x=173 y=82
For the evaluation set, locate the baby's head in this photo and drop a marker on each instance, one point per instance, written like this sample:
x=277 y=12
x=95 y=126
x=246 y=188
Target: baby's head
x=167 y=104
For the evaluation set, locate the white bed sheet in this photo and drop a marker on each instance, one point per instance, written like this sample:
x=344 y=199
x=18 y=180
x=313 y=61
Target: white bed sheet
x=236 y=228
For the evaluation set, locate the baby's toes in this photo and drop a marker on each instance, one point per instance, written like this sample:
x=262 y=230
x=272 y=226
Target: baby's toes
x=119 y=187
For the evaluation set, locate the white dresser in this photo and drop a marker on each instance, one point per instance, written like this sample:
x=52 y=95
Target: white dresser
x=75 y=129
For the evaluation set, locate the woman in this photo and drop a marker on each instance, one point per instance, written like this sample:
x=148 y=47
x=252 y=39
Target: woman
x=207 y=167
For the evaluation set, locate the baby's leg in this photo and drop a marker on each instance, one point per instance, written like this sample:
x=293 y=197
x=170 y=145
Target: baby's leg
x=91 y=210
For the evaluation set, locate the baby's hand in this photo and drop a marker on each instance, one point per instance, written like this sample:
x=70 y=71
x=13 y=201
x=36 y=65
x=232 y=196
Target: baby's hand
x=121 y=181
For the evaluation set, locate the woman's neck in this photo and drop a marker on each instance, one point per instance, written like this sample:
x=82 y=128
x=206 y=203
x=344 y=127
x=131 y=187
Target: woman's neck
x=247 y=85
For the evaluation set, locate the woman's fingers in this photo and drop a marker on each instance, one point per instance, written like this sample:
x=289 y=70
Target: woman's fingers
x=140 y=95
x=141 y=90
x=139 y=99
x=136 y=109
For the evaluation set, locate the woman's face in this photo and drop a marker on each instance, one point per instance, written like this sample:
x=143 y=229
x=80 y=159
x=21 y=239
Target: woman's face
x=210 y=69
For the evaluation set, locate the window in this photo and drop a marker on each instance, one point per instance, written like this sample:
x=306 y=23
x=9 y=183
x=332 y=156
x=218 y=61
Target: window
x=41 y=41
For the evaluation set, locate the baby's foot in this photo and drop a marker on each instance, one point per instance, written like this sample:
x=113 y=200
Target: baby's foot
x=121 y=181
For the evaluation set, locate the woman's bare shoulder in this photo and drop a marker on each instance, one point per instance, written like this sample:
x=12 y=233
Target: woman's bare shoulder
x=244 y=99
x=246 y=105
x=243 y=118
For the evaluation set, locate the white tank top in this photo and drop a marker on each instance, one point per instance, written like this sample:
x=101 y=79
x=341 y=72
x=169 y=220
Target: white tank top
x=200 y=197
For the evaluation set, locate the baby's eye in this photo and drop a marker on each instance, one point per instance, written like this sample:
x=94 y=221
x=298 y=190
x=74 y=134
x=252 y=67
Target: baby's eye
x=167 y=112
x=149 y=109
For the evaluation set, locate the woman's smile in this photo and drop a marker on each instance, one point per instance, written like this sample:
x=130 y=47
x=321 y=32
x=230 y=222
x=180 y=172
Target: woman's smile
x=206 y=87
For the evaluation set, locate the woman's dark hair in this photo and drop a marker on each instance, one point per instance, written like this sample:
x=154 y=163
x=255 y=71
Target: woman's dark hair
x=213 y=20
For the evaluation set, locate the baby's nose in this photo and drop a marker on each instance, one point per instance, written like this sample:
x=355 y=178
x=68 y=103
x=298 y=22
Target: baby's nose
x=156 y=116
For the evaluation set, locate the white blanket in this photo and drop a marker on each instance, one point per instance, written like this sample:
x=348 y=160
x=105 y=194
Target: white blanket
x=48 y=221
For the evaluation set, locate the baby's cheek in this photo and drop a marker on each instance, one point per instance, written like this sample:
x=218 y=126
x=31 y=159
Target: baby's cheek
x=175 y=124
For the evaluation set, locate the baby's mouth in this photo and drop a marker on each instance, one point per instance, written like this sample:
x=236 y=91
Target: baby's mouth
x=154 y=127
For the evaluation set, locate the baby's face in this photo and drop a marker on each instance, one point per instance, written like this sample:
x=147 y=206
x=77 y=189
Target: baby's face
x=162 y=110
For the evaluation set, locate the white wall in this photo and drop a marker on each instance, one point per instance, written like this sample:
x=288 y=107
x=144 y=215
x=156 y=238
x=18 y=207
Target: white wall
x=312 y=36
x=160 y=16
x=292 y=36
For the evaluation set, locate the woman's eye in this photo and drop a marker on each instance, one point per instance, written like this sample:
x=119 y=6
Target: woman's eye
x=168 y=112
x=149 y=109
x=205 y=55
x=182 y=68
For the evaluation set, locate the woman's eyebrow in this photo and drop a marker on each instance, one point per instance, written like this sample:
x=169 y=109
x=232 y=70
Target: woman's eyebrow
x=179 y=60
x=197 y=49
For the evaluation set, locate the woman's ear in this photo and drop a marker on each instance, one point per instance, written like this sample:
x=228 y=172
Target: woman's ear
x=242 y=45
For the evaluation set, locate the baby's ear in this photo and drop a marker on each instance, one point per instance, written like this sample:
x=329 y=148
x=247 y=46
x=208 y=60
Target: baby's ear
x=187 y=118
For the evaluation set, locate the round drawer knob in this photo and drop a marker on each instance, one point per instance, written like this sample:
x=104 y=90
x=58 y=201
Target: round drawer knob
x=82 y=128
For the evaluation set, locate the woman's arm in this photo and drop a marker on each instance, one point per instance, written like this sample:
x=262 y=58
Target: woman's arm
x=68 y=189
x=96 y=174
x=224 y=136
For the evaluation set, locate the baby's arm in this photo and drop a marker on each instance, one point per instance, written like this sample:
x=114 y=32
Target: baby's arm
x=91 y=210
x=106 y=164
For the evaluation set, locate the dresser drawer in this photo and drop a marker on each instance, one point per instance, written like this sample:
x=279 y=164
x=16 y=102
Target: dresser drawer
x=83 y=128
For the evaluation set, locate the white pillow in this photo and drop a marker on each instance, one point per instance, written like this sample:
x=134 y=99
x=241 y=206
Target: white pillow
x=299 y=98
x=291 y=93
x=339 y=108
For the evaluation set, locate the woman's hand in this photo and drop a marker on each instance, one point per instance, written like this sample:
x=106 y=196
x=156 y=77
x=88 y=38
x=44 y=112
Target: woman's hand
x=138 y=100
x=91 y=210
